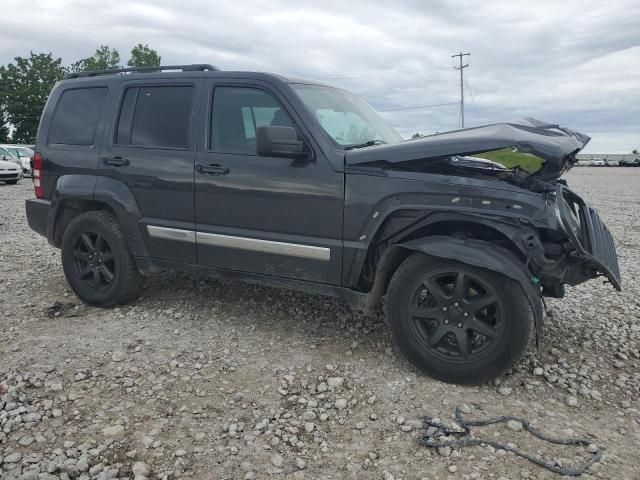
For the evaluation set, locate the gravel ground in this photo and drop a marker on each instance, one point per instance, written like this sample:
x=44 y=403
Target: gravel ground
x=205 y=379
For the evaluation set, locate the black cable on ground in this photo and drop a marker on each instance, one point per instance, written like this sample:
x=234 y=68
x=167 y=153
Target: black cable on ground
x=433 y=431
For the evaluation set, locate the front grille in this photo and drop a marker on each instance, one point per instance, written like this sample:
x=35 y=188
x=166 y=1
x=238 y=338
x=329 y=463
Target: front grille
x=601 y=242
x=591 y=236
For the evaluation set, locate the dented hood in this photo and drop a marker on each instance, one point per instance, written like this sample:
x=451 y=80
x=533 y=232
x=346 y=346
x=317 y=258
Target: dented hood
x=556 y=145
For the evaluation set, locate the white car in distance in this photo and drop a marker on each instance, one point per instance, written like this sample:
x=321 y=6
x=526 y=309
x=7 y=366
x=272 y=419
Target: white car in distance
x=23 y=154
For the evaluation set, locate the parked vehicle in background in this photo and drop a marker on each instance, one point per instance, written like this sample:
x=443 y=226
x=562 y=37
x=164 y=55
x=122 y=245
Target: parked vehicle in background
x=598 y=162
x=584 y=163
x=10 y=173
x=24 y=154
x=611 y=163
x=9 y=156
x=635 y=162
x=297 y=184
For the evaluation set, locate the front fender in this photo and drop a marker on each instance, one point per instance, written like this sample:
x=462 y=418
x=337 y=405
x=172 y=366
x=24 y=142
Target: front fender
x=485 y=255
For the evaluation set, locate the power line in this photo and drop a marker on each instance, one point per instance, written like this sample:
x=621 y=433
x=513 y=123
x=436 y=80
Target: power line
x=363 y=75
x=417 y=107
x=461 y=68
x=473 y=100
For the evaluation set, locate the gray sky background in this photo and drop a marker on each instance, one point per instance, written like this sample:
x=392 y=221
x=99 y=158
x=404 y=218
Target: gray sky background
x=576 y=63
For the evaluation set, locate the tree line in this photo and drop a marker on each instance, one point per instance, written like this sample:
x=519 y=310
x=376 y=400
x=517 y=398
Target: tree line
x=26 y=82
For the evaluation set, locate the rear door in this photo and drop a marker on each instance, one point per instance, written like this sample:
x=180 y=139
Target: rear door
x=264 y=215
x=150 y=149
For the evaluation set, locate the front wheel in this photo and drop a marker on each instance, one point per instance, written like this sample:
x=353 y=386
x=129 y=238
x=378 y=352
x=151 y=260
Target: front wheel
x=456 y=322
x=97 y=262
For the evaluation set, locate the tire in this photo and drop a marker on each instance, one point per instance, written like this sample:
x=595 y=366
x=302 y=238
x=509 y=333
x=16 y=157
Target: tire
x=11 y=182
x=440 y=327
x=97 y=261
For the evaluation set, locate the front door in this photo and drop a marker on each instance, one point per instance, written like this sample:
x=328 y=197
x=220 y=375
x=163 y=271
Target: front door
x=264 y=215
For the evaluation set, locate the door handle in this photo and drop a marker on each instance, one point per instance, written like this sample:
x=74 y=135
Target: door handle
x=212 y=169
x=115 y=161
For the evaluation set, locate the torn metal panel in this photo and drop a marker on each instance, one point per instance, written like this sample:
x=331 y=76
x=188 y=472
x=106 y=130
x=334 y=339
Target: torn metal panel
x=554 y=144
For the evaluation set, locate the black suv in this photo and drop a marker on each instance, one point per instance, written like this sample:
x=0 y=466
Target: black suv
x=301 y=185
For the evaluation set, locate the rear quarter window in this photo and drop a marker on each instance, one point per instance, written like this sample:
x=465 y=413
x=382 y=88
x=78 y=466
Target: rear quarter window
x=75 y=118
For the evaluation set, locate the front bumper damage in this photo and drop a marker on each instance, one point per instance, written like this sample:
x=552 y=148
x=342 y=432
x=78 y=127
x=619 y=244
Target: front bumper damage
x=594 y=245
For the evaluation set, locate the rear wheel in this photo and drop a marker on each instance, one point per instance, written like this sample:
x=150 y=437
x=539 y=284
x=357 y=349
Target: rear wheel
x=97 y=261
x=458 y=323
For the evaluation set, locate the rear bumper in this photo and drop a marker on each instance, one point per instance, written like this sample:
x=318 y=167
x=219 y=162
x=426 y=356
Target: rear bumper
x=37 y=214
x=594 y=243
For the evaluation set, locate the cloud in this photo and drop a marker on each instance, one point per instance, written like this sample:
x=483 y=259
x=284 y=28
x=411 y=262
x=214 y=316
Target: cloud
x=572 y=62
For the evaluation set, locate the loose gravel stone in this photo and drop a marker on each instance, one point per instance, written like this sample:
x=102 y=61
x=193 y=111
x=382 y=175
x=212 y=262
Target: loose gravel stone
x=277 y=460
x=13 y=457
x=341 y=404
x=140 y=469
x=113 y=431
x=504 y=390
x=335 y=381
x=444 y=451
x=514 y=425
x=118 y=356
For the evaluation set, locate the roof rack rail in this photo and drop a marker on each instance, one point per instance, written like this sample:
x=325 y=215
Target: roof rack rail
x=196 y=67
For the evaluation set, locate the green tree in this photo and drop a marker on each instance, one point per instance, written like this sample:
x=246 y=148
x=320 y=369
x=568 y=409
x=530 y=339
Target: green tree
x=635 y=151
x=104 y=59
x=143 y=56
x=417 y=135
x=24 y=89
x=4 y=128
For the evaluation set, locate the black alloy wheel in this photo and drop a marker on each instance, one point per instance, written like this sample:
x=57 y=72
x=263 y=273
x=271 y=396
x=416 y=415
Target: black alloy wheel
x=97 y=261
x=94 y=260
x=457 y=322
x=456 y=315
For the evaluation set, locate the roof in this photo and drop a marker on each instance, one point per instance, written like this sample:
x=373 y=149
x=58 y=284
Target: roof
x=178 y=71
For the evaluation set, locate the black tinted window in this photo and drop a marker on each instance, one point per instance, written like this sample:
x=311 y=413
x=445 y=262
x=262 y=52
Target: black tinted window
x=155 y=116
x=76 y=116
x=237 y=114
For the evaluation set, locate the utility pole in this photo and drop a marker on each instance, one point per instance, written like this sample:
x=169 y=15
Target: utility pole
x=461 y=68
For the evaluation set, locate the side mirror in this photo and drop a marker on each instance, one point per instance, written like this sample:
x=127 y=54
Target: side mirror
x=275 y=141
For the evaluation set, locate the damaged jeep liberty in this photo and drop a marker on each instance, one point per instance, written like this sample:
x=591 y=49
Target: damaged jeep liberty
x=296 y=184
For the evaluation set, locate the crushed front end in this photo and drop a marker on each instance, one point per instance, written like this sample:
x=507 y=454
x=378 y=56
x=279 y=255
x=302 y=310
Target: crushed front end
x=591 y=238
x=577 y=247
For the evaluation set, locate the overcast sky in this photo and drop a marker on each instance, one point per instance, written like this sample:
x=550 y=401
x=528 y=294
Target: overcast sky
x=576 y=63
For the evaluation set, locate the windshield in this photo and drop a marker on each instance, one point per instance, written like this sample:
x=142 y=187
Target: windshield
x=22 y=151
x=6 y=153
x=348 y=119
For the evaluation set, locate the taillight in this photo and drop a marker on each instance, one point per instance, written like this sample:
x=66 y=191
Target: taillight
x=36 y=171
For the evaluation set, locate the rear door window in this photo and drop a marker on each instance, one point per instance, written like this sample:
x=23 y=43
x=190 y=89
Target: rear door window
x=76 y=116
x=155 y=116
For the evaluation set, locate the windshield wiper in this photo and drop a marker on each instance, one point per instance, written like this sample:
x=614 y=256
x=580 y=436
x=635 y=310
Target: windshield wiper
x=369 y=143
